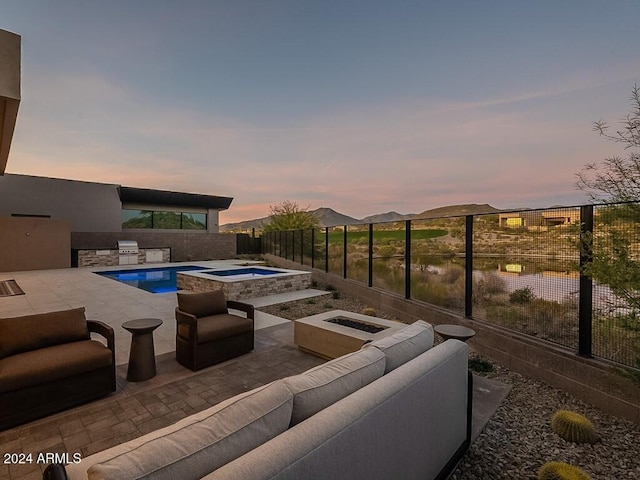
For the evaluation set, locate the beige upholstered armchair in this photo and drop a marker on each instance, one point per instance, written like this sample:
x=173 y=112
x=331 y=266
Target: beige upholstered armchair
x=206 y=333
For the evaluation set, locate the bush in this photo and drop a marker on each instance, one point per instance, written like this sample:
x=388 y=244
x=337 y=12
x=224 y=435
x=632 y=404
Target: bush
x=522 y=295
x=480 y=365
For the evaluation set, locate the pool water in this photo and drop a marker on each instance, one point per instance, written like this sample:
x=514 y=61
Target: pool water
x=154 y=280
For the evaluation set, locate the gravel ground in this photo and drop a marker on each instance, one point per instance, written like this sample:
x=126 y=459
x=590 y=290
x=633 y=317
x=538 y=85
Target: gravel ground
x=518 y=440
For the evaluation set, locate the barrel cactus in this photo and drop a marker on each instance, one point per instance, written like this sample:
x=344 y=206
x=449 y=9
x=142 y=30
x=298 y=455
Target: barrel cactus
x=369 y=311
x=561 y=471
x=573 y=427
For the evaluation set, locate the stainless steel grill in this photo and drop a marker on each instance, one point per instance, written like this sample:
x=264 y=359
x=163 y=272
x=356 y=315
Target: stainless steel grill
x=128 y=252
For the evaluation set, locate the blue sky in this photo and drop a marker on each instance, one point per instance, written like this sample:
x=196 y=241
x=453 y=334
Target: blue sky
x=360 y=106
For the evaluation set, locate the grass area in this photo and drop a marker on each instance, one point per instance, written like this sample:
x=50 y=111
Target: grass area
x=386 y=235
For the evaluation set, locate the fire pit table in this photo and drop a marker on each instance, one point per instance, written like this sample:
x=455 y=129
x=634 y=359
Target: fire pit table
x=337 y=332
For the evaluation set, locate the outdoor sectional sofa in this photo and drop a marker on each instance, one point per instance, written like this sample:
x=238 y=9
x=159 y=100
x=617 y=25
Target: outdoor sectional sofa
x=48 y=362
x=397 y=408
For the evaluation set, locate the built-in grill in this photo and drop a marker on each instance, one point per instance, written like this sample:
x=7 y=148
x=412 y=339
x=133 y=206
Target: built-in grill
x=128 y=252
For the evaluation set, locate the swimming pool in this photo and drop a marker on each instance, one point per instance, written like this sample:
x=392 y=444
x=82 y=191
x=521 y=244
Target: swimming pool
x=154 y=280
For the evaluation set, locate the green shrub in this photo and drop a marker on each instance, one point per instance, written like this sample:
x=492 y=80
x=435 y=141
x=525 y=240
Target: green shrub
x=561 y=471
x=335 y=294
x=573 y=427
x=480 y=365
x=521 y=295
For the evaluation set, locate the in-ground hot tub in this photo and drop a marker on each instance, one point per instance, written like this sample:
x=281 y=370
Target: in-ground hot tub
x=245 y=282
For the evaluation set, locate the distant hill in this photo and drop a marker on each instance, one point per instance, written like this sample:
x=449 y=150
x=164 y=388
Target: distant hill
x=326 y=216
x=244 y=226
x=452 y=210
x=329 y=217
x=386 y=217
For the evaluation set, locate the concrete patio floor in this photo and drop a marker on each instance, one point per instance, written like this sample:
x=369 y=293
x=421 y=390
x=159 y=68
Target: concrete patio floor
x=176 y=392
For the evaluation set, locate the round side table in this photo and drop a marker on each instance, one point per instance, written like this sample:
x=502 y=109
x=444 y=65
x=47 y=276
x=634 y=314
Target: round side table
x=142 y=358
x=454 y=331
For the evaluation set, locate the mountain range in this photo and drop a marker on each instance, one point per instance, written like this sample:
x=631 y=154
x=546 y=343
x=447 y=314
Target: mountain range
x=329 y=217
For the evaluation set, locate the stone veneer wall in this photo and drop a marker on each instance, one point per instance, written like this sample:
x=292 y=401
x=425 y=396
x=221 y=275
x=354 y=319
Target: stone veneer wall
x=109 y=258
x=250 y=288
x=591 y=380
x=186 y=246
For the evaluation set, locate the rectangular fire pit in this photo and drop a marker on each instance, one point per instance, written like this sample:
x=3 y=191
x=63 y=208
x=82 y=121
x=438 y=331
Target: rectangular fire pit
x=337 y=332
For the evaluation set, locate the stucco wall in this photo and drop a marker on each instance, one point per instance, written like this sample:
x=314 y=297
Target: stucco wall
x=9 y=91
x=88 y=207
x=34 y=244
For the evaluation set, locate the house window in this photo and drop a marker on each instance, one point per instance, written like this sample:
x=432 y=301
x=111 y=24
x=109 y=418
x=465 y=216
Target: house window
x=165 y=220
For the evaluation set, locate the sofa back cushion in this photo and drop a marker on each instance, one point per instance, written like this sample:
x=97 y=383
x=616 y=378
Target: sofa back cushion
x=325 y=384
x=405 y=345
x=31 y=332
x=203 y=304
x=198 y=444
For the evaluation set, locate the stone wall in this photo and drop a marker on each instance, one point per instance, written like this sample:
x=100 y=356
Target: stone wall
x=250 y=288
x=185 y=246
x=109 y=258
x=594 y=381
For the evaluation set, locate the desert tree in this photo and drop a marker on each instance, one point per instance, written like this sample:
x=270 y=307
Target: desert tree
x=616 y=179
x=290 y=216
x=615 y=184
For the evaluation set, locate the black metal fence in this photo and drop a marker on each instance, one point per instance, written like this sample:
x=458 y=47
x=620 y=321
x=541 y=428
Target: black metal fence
x=567 y=275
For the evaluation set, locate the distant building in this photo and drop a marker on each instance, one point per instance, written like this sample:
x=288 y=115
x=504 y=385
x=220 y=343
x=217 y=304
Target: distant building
x=539 y=219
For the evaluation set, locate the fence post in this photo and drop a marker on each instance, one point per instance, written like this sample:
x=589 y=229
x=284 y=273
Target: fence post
x=326 y=249
x=371 y=254
x=468 y=264
x=344 y=249
x=301 y=246
x=585 y=303
x=313 y=248
x=407 y=259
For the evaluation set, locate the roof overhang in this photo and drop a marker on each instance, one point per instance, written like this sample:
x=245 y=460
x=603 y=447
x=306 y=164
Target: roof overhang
x=9 y=92
x=148 y=196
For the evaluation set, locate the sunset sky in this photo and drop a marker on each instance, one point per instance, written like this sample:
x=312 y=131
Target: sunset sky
x=361 y=106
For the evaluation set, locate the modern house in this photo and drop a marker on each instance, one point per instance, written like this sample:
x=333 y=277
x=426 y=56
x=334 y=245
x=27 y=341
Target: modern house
x=540 y=219
x=57 y=223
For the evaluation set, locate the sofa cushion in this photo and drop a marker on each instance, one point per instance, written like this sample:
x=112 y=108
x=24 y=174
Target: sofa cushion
x=52 y=363
x=30 y=332
x=199 y=444
x=405 y=345
x=203 y=304
x=325 y=384
x=222 y=326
